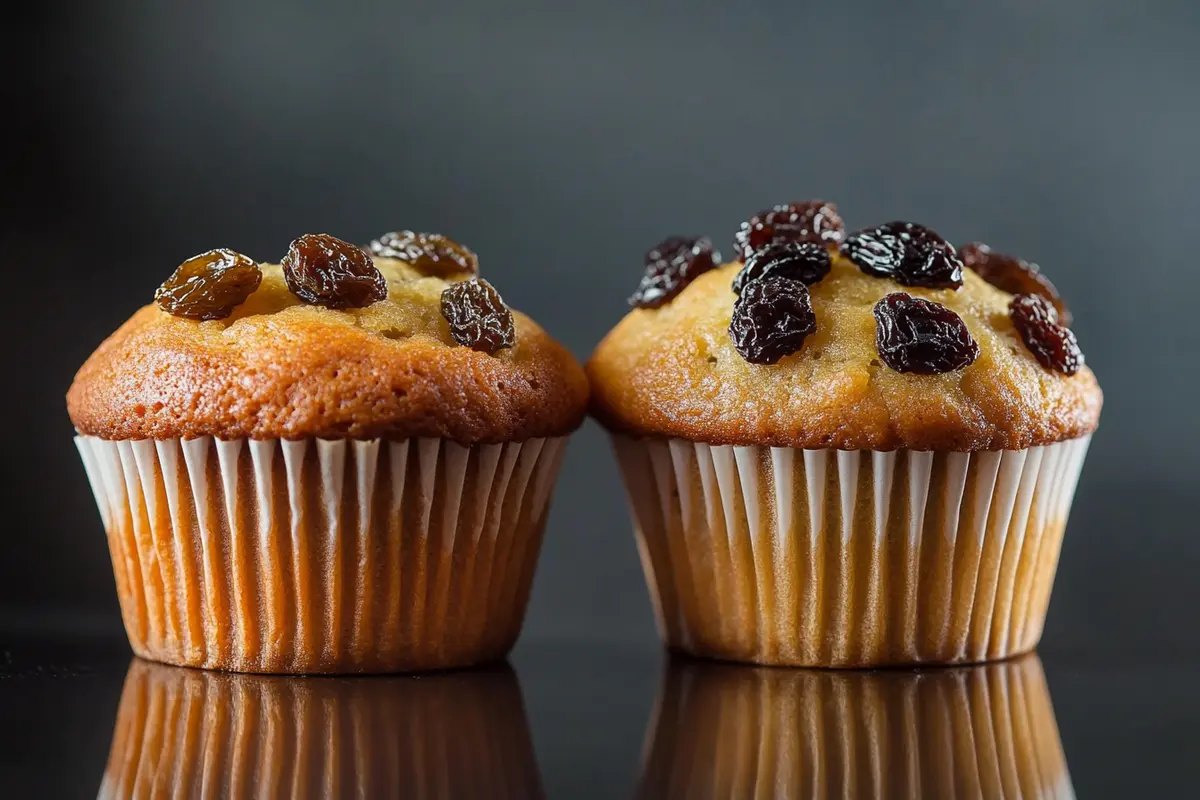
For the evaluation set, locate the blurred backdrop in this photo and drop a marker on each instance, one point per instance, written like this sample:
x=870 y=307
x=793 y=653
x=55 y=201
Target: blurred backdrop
x=560 y=143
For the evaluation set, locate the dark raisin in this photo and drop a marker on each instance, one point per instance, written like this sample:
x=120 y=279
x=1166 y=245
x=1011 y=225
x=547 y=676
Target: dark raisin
x=812 y=221
x=1053 y=344
x=1011 y=274
x=670 y=266
x=906 y=252
x=916 y=335
x=431 y=253
x=802 y=261
x=478 y=317
x=771 y=319
x=210 y=285
x=325 y=271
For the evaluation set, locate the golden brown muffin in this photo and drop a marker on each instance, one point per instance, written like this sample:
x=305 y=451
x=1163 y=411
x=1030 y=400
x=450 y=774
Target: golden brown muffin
x=673 y=371
x=280 y=368
x=340 y=464
x=846 y=451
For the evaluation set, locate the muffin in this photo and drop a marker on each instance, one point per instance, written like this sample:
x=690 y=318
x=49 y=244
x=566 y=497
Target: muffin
x=187 y=733
x=341 y=463
x=846 y=450
x=748 y=732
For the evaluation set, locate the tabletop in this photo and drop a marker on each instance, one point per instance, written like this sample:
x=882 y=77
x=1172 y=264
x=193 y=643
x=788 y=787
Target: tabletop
x=83 y=718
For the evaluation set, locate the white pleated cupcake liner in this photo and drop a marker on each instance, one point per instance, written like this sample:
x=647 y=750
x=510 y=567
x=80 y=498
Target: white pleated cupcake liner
x=188 y=733
x=322 y=556
x=849 y=558
x=750 y=732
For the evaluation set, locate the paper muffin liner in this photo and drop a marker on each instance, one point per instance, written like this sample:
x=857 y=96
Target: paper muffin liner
x=732 y=731
x=186 y=733
x=849 y=558
x=322 y=556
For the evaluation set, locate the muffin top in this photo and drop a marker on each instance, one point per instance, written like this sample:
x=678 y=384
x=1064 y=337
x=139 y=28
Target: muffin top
x=333 y=343
x=885 y=339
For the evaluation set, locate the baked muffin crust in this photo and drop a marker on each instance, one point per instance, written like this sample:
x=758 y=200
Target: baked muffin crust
x=278 y=368
x=673 y=371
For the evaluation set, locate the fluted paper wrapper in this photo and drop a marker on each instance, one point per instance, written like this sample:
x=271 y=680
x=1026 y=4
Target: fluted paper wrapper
x=751 y=732
x=183 y=733
x=849 y=558
x=322 y=556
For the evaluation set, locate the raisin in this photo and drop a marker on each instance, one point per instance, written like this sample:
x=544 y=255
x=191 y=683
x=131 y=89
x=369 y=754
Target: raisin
x=771 y=319
x=430 y=253
x=478 y=317
x=906 y=252
x=802 y=261
x=916 y=335
x=1013 y=275
x=812 y=221
x=1053 y=344
x=670 y=266
x=210 y=285
x=325 y=271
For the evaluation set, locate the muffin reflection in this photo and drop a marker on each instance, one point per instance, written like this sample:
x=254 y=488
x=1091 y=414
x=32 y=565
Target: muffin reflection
x=731 y=731
x=185 y=733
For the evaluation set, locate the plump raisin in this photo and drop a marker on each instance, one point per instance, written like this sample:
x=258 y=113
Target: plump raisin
x=1053 y=344
x=906 y=252
x=325 y=271
x=478 y=317
x=670 y=266
x=210 y=285
x=430 y=253
x=771 y=319
x=802 y=261
x=1011 y=274
x=916 y=335
x=812 y=221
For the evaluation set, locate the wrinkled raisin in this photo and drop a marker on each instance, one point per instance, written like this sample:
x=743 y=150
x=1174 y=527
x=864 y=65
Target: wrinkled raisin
x=670 y=267
x=478 y=317
x=906 y=252
x=771 y=319
x=1011 y=274
x=916 y=335
x=210 y=285
x=430 y=253
x=1054 y=345
x=802 y=261
x=325 y=271
x=812 y=221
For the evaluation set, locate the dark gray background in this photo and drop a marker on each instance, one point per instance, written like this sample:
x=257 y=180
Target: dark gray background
x=561 y=143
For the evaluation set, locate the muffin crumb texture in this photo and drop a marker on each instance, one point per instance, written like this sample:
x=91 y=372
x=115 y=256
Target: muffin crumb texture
x=278 y=367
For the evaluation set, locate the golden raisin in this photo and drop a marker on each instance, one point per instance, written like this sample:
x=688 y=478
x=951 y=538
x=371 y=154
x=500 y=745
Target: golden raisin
x=430 y=253
x=210 y=285
x=325 y=271
x=478 y=317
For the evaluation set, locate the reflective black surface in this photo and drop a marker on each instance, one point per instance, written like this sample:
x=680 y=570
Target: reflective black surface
x=83 y=719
